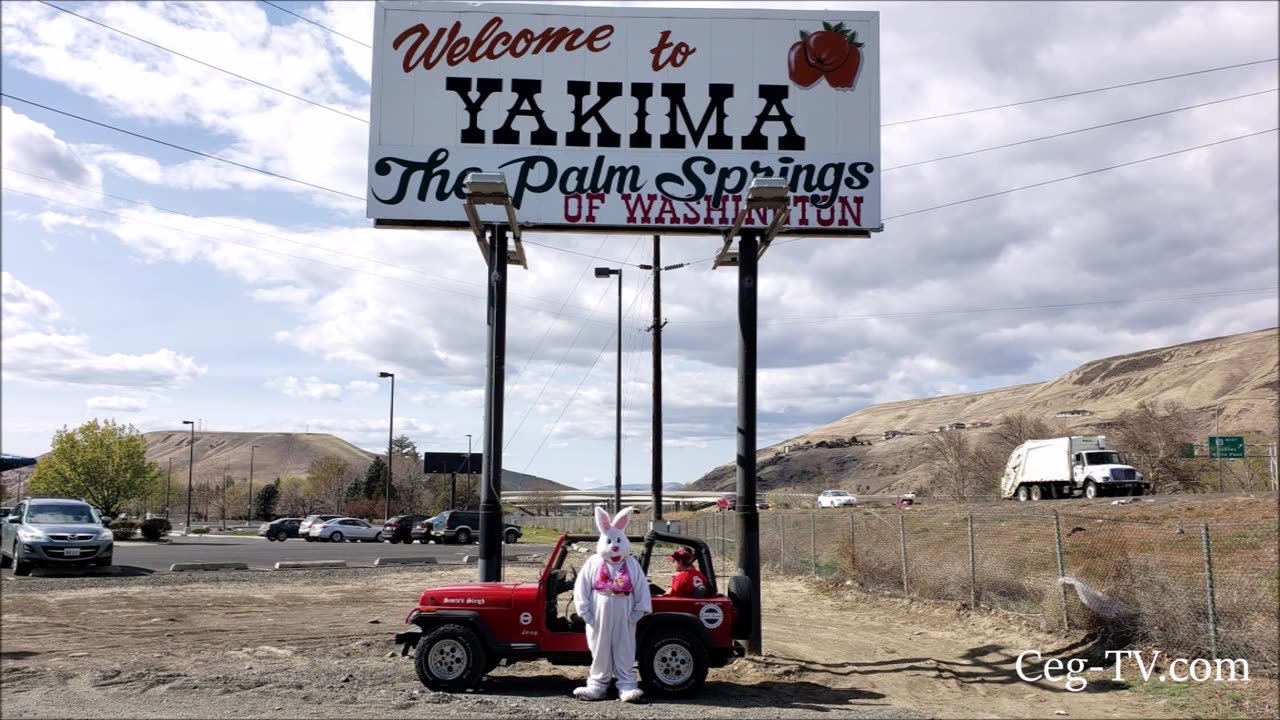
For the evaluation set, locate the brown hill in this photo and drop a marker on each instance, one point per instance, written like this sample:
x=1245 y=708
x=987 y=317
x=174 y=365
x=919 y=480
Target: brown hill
x=1198 y=375
x=277 y=455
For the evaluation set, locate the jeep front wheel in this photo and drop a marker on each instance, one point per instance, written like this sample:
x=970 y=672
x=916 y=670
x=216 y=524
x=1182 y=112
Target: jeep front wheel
x=673 y=663
x=450 y=658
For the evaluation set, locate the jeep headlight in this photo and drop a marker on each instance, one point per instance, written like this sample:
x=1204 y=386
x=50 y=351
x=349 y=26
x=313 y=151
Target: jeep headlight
x=27 y=534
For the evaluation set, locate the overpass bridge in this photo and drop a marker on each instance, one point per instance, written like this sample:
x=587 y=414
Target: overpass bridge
x=678 y=500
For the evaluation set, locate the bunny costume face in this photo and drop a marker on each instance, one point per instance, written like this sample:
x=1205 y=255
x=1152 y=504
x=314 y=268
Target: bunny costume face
x=612 y=594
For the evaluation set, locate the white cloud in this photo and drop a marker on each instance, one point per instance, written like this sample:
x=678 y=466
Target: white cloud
x=362 y=388
x=115 y=403
x=35 y=354
x=32 y=147
x=311 y=388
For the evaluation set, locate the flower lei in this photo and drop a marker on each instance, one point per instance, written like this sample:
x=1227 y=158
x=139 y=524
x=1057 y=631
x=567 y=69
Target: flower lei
x=620 y=585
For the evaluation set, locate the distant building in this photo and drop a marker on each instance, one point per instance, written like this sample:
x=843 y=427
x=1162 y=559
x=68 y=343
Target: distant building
x=1073 y=413
x=951 y=426
x=892 y=434
x=979 y=425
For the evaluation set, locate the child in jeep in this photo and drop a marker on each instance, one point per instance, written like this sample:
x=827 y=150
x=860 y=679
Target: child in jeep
x=687 y=580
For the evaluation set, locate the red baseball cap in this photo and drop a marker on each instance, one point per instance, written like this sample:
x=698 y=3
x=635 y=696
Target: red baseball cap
x=683 y=555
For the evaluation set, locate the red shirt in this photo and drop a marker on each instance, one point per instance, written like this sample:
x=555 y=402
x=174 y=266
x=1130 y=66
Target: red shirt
x=685 y=582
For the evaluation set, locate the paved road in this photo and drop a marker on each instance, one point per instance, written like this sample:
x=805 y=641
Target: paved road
x=140 y=558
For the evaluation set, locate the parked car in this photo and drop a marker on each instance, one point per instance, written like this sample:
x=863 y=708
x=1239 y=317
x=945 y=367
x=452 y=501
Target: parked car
x=728 y=502
x=304 y=530
x=54 y=532
x=342 y=529
x=422 y=530
x=836 y=498
x=400 y=528
x=463 y=527
x=281 y=529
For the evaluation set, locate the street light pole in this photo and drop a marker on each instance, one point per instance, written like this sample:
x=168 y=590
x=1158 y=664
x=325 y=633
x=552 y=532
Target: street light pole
x=167 y=486
x=249 y=517
x=390 y=424
x=604 y=272
x=191 y=466
x=453 y=501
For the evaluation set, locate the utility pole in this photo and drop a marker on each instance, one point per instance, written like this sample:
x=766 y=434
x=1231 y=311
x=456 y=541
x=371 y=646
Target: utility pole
x=249 y=518
x=168 y=484
x=390 y=425
x=656 y=329
x=191 y=464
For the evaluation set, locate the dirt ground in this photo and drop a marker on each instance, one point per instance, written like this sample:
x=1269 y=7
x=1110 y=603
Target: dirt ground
x=319 y=645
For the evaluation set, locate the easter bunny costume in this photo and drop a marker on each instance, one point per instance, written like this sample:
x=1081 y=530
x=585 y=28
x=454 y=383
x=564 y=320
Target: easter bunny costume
x=612 y=594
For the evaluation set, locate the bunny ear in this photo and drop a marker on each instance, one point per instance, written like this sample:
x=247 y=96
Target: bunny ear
x=602 y=520
x=622 y=518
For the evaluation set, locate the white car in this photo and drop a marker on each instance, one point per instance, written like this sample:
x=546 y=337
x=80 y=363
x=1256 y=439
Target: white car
x=342 y=529
x=836 y=498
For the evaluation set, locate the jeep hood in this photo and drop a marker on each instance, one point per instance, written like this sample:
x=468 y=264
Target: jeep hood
x=469 y=596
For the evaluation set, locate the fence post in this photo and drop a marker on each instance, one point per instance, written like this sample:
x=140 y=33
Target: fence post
x=1208 y=588
x=902 y=537
x=973 y=568
x=813 y=544
x=853 y=547
x=782 y=533
x=1062 y=589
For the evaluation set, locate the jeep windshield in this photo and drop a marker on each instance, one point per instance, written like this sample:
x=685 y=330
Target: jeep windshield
x=62 y=513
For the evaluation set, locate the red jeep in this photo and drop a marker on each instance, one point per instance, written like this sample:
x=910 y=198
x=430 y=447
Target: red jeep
x=465 y=631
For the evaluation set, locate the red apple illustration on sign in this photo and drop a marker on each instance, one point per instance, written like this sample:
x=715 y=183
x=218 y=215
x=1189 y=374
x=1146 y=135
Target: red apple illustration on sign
x=833 y=53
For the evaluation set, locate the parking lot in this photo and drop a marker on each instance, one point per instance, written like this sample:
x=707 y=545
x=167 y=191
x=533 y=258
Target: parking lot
x=145 y=558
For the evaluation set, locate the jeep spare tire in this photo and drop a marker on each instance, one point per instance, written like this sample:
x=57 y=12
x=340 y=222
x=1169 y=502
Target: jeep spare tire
x=673 y=662
x=740 y=594
x=450 y=658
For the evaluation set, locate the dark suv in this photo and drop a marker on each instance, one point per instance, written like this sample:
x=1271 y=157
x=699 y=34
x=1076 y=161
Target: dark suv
x=400 y=528
x=463 y=526
x=281 y=529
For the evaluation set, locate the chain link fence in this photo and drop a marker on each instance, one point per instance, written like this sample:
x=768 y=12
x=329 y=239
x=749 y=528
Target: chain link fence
x=1191 y=589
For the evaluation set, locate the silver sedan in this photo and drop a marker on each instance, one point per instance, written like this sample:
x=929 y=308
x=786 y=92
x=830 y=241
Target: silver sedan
x=343 y=529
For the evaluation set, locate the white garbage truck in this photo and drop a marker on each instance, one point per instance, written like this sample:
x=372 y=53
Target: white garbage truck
x=1067 y=467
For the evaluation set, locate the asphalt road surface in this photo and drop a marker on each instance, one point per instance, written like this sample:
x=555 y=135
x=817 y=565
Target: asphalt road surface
x=143 y=558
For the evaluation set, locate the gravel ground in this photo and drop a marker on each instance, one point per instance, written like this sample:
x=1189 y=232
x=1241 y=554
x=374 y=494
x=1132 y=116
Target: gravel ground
x=318 y=644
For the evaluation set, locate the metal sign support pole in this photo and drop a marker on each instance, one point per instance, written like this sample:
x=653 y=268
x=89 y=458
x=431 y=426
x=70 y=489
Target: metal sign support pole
x=490 y=564
x=748 y=517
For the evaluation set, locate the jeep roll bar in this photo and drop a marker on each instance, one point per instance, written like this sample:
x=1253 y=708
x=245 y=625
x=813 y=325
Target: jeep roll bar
x=699 y=545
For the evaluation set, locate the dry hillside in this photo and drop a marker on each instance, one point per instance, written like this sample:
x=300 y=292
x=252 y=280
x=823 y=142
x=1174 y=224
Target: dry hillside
x=1198 y=375
x=277 y=455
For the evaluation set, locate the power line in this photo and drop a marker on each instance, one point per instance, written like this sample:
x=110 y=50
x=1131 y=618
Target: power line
x=1078 y=93
x=586 y=375
x=277 y=237
x=208 y=65
x=246 y=167
x=313 y=22
x=1077 y=175
x=820 y=319
x=181 y=147
x=1073 y=132
x=278 y=252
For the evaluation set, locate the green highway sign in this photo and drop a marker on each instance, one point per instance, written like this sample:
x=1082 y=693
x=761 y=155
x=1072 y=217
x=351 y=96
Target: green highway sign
x=1227 y=447
x=1188 y=450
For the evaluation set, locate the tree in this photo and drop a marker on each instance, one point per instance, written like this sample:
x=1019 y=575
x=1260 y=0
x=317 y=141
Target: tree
x=1153 y=435
x=956 y=472
x=102 y=462
x=375 y=477
x=264 y=505
x=327 y=478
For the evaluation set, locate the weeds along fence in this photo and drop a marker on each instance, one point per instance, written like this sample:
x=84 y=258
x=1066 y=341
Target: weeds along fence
x=1194 y=590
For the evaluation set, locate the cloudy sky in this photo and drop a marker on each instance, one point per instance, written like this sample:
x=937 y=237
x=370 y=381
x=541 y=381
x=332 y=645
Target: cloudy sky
x=259 y=304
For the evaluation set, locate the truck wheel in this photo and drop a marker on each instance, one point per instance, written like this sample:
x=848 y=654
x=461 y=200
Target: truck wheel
x=1036 y=493
x=510 y=537
x=463 y=536
x=1022 y=493
x=1091 y=490
x=450 y=658
x=673 y=663
x=740 y=591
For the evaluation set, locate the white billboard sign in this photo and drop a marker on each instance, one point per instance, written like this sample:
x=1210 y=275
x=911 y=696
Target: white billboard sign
x=607 y=119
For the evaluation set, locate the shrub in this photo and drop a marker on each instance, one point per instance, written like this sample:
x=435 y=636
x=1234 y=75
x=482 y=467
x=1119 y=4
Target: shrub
x=123 y=529
x=155 y=528
x=199 y=531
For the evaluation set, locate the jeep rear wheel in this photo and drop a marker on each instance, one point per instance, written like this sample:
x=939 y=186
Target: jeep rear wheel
x=450 y=658
x=673 y=663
